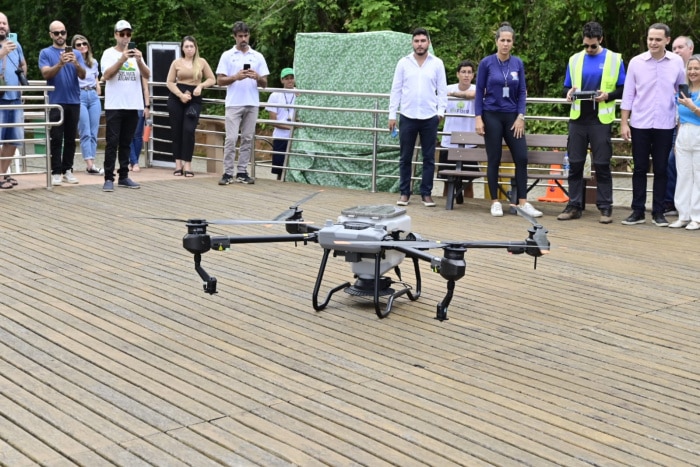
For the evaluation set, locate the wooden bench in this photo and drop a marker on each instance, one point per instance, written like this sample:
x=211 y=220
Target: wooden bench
x=544 y=151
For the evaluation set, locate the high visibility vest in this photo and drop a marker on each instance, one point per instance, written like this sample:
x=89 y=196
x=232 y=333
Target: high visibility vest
x=608 y=83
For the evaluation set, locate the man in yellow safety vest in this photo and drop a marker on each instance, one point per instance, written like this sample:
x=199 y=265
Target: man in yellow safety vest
x=594 y=79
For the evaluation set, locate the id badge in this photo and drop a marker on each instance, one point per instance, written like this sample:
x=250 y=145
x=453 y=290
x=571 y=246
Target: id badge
x=506 y=91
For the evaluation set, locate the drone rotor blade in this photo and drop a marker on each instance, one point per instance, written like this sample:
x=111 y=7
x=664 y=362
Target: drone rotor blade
x=540 y=237
x=293 y=208
x=525 y=215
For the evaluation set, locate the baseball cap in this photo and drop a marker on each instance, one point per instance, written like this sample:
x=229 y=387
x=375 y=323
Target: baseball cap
x=121 y=25
x=286 y=72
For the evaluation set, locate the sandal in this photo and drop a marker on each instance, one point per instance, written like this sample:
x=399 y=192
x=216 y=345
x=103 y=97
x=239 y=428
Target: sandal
x=178 y=172
x=188 y=173
x=6 y=185
x=11 y=180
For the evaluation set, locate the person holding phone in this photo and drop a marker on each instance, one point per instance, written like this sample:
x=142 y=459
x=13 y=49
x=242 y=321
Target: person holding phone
x=687 y=194
x=11 y=60
x=122 y=68
x=185 y=84
x=242 y=70
x=90 y=106
x=62 y=69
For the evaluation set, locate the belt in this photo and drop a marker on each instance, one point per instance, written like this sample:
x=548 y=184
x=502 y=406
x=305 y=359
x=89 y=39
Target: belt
x=89 y=88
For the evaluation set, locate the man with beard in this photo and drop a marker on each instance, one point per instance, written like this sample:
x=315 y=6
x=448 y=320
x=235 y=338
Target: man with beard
x=11 y=60
x=61 y=69
x=241 y=69
x=419 y=90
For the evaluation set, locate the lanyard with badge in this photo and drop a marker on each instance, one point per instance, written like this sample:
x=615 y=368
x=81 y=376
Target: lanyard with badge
x=506 y=89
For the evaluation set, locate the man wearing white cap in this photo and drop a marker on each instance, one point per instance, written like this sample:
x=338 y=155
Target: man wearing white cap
x=122 y=68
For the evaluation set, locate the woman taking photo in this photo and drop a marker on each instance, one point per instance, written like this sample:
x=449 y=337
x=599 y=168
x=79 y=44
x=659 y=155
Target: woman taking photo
x=90 y=107
x=500 y=115
x=185 y=101
x=687 y=197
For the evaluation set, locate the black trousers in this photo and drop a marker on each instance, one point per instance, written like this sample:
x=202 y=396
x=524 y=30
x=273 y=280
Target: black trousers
x=121 y=125
x=184 y=119
x=63 y=138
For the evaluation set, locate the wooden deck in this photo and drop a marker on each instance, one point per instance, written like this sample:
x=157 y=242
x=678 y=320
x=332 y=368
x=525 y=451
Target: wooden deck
x=111 y=354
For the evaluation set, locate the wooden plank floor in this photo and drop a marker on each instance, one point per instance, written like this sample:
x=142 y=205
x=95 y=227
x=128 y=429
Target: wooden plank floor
x=110 y=353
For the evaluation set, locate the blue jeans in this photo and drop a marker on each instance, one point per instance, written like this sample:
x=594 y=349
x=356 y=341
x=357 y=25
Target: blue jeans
x=89 y=123
x=672 y=176
x=410 y=128
x=137 y=142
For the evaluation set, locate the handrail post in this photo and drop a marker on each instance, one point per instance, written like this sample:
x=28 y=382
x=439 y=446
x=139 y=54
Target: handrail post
x=375 y=141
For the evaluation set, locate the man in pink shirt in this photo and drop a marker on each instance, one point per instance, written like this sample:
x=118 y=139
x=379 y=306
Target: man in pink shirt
x=649 y=97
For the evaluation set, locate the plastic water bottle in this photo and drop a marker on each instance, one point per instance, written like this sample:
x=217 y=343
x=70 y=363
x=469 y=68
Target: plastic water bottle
x=395 y=132
x=566 y=166
x=148 y=124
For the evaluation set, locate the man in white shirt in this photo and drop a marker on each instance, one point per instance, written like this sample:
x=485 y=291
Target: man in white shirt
x=419 y=90
x=122 y=69
x=241 y=69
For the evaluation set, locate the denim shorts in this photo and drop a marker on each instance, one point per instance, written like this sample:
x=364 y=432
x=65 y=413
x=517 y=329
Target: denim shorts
x=11 y=116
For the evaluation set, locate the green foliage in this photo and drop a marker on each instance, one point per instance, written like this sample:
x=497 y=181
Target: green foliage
x=547 y=31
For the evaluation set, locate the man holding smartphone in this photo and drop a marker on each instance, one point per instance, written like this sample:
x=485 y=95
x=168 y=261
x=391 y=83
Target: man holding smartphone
x=123 y=68
x=242 y=70
x=61 y=69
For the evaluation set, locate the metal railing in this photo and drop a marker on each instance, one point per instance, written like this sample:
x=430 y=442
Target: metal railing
x=36 y=120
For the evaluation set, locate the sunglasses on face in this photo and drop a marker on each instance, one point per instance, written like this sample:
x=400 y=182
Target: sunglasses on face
x=124 y=33
x=591 y=46
x=59 y=33
x=81 y=44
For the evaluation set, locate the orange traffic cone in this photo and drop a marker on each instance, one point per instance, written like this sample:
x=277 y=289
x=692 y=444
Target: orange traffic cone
x=554 y=194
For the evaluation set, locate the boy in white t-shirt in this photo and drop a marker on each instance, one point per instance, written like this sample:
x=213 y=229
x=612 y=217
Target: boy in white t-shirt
x=464 y=92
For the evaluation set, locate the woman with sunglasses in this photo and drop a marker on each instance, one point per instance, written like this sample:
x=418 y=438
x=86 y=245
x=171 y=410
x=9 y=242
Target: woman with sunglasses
x=185 y=101
x=90 y=107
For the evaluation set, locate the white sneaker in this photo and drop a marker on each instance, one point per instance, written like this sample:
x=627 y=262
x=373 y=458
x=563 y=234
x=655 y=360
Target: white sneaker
x=68 y=177
x=692 y=226
x=678 y=224
x=496 y=209
x=56 y=180
x=530 y=210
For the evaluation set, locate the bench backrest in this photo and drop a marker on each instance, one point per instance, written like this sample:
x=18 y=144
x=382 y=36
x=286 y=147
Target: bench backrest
x=551 y=148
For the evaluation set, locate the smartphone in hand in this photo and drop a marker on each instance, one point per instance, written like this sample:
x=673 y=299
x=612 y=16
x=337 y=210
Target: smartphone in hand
x=683 y=88
x=131 y=46
x=246 y=66
x=68 y=49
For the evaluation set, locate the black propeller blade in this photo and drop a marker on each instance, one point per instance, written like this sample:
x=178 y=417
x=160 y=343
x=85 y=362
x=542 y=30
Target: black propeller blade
x=293 y=209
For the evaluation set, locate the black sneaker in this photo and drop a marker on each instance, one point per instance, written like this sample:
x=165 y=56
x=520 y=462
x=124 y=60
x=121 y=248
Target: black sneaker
x=570 y=212
x=635 y=218
x=659 y=220
x=244 y=178
x=605 y=216
x=226 y=179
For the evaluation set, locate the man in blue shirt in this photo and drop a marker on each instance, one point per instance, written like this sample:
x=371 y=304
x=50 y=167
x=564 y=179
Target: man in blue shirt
x=11 y=60
x=62 y=68
x=599 y=70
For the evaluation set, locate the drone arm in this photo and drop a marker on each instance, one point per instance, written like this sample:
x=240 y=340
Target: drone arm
x=224 y=242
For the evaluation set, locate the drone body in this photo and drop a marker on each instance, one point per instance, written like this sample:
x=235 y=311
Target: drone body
x=375 y=240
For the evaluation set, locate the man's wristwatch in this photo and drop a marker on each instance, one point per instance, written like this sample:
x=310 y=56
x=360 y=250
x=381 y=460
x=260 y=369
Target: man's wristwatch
x=521 y=117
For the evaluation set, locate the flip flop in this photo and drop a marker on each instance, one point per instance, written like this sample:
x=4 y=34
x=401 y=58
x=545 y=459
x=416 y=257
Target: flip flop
x=5 y=185
x=188 y=174
x=11 y=180
x=178 y=172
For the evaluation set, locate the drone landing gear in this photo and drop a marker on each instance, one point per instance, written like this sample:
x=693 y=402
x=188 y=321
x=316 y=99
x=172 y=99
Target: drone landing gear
x=370 y=286
x=445 y=303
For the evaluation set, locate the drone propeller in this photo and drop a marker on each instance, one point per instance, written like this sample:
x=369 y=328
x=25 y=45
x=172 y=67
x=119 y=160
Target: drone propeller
x=228 y=221
x=293 y=208
x=526 y=215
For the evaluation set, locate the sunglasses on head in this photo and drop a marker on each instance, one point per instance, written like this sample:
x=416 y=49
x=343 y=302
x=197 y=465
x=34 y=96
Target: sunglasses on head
x=59 y=33
x=591 y=46
x=81 y=44
x=124 y=33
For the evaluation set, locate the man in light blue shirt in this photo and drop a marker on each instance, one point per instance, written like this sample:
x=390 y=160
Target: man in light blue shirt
x=650 y=98
x=419 y=92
